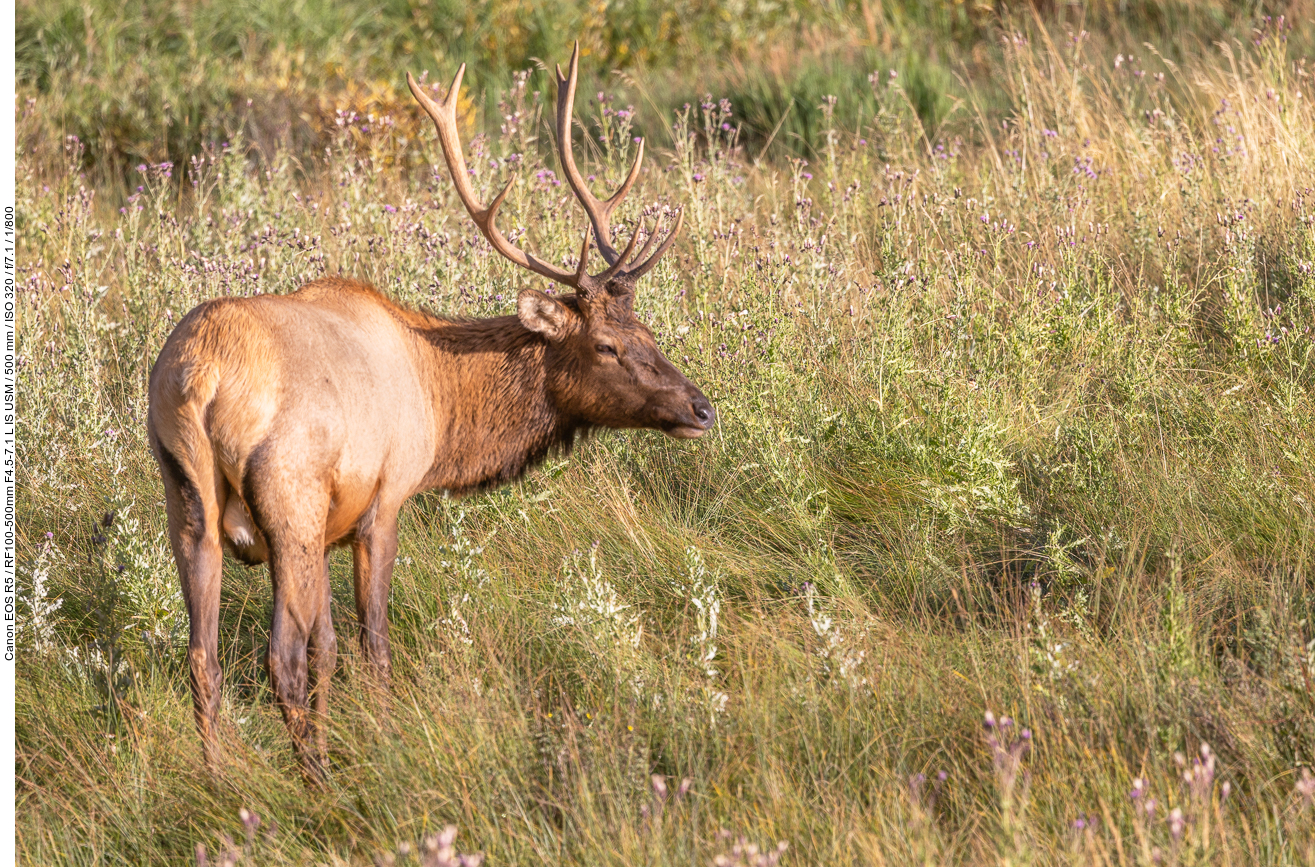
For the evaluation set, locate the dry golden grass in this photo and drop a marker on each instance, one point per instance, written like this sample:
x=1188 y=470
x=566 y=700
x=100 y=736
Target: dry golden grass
x=1016 y=422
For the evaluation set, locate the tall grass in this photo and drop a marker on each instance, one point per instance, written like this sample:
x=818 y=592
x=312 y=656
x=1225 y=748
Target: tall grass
x=155 y=80
x=1001 y=551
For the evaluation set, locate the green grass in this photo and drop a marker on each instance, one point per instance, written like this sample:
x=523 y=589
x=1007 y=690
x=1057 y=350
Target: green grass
x=1015 y=396
x=157 y=79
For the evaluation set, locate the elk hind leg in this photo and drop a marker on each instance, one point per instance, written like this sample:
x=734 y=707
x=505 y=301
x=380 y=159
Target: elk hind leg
x=193 y=505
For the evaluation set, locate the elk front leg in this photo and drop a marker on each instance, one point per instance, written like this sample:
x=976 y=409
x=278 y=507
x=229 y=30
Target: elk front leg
x=323 y=659
x=300 y=613
x=373 y=554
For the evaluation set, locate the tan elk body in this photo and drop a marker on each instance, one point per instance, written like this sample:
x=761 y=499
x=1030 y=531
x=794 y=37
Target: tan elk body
x=287 y=424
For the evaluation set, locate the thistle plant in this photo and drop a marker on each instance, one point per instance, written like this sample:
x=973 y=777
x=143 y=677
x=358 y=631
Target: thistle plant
x=594 y=612
x=840 y=657
x=36 y=622
x=1008 y=746
x=464 y=565
x=701 y=589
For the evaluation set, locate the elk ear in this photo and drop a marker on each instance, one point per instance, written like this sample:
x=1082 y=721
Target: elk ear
x=543 y=315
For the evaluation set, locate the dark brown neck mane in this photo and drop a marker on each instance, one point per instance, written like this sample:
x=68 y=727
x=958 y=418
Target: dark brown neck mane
x=495 y=417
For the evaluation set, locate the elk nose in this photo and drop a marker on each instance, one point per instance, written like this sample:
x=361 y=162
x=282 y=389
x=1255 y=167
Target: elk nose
x=703 y=411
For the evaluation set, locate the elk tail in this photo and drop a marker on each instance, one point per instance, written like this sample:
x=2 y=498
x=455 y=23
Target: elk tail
x=180 y=397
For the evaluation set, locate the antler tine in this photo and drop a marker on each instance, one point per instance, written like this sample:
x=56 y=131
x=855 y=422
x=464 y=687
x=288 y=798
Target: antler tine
x=645 y=264
x=599 y=212
x=580 y=273
x=625 y=256
x=651 y=240
x=445 y=121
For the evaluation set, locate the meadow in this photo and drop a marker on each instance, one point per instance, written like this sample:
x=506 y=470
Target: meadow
x=1002 y=550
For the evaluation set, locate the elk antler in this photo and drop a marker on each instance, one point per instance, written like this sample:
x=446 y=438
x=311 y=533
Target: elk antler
x=600 y=213
x=445 y=121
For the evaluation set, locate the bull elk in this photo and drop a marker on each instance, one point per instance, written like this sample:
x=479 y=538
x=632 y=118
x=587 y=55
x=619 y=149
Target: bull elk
x=285 y=425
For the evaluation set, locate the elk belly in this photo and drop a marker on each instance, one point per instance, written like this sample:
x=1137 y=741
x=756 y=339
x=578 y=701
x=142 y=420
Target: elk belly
x=246 y=541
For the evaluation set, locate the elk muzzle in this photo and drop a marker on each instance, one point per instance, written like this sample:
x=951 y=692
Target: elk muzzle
x=690 y=421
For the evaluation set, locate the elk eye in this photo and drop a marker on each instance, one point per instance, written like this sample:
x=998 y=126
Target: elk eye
x=606 y=349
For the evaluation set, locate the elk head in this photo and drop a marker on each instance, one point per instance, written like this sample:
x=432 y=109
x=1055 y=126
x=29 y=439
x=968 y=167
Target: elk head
x=607 y=370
